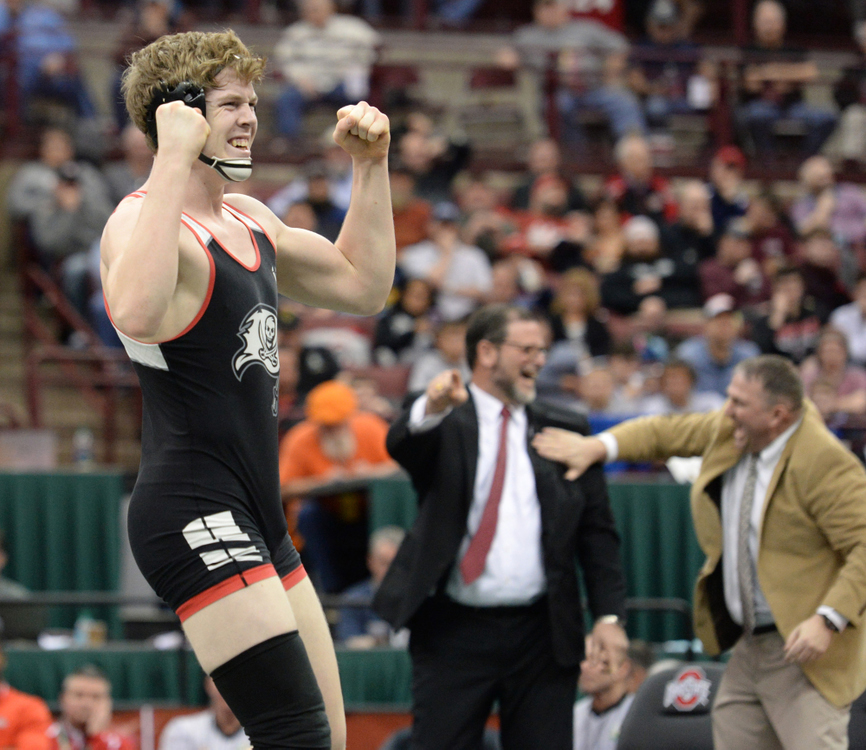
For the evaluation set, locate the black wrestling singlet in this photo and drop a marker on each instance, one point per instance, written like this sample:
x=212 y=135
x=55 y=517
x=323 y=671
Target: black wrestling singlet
x=206 y=505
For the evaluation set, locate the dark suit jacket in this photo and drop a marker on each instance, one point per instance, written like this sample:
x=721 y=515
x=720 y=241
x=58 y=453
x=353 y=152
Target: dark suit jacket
x=576 y=520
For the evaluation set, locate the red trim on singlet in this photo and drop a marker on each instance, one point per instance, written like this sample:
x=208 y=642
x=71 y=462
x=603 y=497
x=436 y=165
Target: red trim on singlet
x=258 y=260
x=261 y=228
x=294 y=578
x=210 y=283
x=224 y=588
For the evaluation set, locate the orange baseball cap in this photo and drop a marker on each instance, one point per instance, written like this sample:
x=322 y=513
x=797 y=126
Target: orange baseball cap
x=330 y=403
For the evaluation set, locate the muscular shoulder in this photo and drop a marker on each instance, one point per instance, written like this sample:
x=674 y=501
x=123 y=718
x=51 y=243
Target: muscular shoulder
x=547 y=415
x=255 y=209
x=119 y=225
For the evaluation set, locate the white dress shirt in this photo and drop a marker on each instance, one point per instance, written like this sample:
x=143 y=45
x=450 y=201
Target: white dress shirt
x=514 y=573
x=733 y=484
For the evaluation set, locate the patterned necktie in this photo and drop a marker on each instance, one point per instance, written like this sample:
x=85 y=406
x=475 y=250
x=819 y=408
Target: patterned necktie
x=472 y=564
x=744 y=557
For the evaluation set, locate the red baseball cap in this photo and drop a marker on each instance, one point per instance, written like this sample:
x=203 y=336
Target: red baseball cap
x=731 y=156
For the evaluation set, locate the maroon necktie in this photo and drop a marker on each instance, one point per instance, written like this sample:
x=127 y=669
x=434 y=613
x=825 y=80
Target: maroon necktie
x=475 y=558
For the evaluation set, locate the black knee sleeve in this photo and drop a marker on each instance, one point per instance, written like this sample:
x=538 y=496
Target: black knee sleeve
x=273 y=692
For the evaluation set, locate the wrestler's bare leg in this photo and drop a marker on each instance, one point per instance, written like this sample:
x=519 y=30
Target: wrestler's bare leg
x=245 y=618
x=320 y=648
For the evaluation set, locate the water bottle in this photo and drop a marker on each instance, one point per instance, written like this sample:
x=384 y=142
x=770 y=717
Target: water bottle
x=82 y=448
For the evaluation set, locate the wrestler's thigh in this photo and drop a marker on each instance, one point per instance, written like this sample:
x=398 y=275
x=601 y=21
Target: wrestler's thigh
x=238 y=621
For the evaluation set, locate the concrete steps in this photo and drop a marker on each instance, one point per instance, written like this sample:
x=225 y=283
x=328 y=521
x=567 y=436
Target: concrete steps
x=63 y=407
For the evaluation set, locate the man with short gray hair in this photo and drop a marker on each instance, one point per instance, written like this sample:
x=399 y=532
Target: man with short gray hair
x=779 y=508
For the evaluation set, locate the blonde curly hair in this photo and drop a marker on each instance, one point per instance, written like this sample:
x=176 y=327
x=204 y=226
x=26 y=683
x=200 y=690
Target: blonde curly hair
x=194 y=56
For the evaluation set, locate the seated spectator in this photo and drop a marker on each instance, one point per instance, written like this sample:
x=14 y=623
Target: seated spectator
x=434 y=159
x=793 y=320
x=35 y=182
x=573 y=314
x=323 y=57
x=694 y=235
x=85 y=714
x=666 y=69
x=316 y=363
x=288 y=403
x=128 y=174
x=359 y=626
x=830 y=365
x=449 y=353
x=337 y=166
x=772 y=237
x=838 y=208
x=336 y=443
x=447 y=14
x=215 y=728
x=590 y=61
x=650 y=337
x=411 y=213
x=24 y=718
x=606 y=245
x=637 y=190
x=733 y=271
x=851 y=320
x=65 y=226
x=545 y=158
x=546 y=224
x=46 y=62
x=604 y=680
x=9 y=589
x=629 y=377
x=728 y=199
x=150 y=19
x=823 y=395
x=596 y=389
x=678 y=395
x=774 y=77
x=847 y=144
x=329 y=216
x=515 y=281
x=641 y=657
x=458 y=272
x=719 y=349
x=648 y=269
x=487 y=222
x=822 y=263
x=404 y=331
x=371 y=399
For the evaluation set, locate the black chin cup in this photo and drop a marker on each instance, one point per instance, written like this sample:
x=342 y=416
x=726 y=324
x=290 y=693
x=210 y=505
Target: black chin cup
x=186 y=92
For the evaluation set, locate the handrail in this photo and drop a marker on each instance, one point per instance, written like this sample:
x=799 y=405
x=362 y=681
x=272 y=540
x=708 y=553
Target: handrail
x=99 y=386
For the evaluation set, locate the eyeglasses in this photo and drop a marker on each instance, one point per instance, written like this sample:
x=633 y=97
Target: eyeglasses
x=531 y=352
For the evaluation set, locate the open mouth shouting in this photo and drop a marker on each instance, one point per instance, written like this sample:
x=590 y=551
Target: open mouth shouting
x=241 y=143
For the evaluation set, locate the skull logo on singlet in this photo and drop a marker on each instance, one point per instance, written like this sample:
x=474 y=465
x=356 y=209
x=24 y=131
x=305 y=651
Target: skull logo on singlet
x=259 y=335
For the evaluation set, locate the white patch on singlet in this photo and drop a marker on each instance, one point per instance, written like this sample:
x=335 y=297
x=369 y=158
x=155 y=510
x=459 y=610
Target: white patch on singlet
x=197 y=229
x=145 y=354
x=151 y=354
x=219 y=527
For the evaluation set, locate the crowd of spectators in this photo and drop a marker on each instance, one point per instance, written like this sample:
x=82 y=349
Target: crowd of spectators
x=654 y=287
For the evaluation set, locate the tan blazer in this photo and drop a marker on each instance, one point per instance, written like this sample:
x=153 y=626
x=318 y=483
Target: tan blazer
x=812 y=536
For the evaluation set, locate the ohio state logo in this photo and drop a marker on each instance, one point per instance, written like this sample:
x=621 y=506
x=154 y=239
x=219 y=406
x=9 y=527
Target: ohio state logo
x=688 y=690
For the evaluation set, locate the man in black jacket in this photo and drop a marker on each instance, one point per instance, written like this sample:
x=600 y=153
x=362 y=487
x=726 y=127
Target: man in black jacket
x=486 y=579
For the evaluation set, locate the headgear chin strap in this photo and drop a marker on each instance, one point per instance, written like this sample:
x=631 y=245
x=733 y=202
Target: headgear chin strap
x=234 y=170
